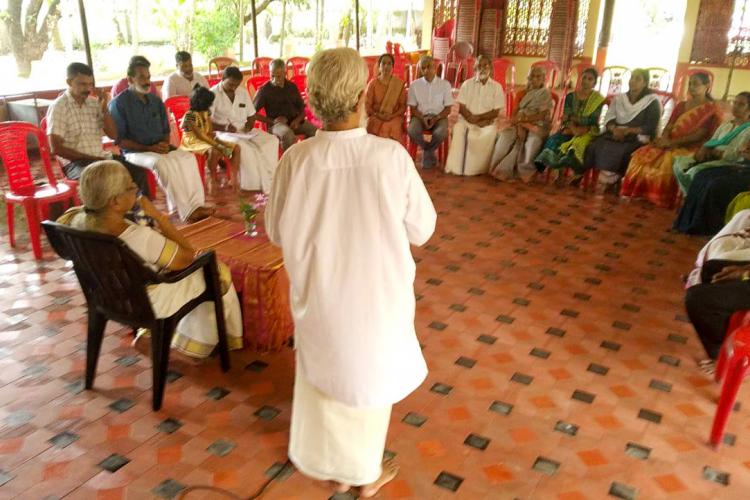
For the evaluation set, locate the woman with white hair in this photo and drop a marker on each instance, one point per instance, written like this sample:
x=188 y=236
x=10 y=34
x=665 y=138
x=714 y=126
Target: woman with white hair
x=518 y=145
x=345 y=206
x=108 y=193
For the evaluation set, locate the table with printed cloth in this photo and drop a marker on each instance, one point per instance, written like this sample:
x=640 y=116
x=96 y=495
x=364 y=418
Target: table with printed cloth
x=258 y=275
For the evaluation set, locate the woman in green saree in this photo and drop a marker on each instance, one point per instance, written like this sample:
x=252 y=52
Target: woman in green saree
x=580 y=125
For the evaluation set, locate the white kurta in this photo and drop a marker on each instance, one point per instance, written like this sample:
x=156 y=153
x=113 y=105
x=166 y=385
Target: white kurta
x=724 y=245
x=344 y=207
x=471 y=146
x=177 y=172
x=259 y=149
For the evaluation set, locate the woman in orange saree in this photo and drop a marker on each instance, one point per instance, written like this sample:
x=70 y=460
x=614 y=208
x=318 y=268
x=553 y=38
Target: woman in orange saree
x=385 y=102
x=649 y=173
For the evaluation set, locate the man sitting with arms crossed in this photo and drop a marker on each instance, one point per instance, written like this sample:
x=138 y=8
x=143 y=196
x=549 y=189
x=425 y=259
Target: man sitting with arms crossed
x=482 y=100
x=430 y=100
x=75 y=122
x=182 y=81
x=284 y=107
x=143 y=136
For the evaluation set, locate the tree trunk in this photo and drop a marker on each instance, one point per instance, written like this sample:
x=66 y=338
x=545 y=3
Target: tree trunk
x=283 y=27
x=119 y=37
x=128 y=29
x=29 y=40
x=136 y=33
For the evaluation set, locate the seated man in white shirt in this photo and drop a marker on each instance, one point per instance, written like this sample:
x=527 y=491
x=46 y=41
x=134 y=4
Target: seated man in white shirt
x=482 y=100
x=182 y=81
x=143 y=137
x=430 y=100
x=233 y=117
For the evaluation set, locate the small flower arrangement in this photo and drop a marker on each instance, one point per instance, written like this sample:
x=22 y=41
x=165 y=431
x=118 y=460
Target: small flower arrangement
x=250 y=211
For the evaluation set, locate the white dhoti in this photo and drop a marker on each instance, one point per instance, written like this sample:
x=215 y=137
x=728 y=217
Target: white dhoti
x=510 y=151
x=259 y=156
x=177 y=172
x=331 y=441
x=471 y=149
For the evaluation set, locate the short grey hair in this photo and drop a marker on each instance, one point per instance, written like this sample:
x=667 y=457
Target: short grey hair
x=278 y=63
x=101 y=181
x=483 y=57
x=424 y=60
x=336 y=79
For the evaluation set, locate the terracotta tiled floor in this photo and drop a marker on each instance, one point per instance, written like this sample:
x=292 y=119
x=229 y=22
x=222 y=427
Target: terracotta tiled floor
x=560 y=357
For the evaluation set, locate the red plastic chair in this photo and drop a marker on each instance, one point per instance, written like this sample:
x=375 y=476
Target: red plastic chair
x=411 y=147
x=372 y=70
x=35 y=199
x=683 y=81
x=301 y=82
x=262 y=66
x=150 y=177
x=177 y=106
x=577 y=71
x=617 y=79
x=552 y=71
x=254 y=83
x=219 y=63
x=731 y=368
x=504 y=71
x=296 y=66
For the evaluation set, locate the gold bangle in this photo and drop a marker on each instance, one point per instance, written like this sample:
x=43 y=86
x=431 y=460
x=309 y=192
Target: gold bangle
x=746 y=276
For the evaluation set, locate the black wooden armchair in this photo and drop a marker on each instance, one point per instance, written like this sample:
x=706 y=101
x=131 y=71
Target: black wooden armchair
x=114 y=280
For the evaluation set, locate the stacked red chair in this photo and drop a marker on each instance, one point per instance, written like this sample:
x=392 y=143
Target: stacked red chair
x=22 y=190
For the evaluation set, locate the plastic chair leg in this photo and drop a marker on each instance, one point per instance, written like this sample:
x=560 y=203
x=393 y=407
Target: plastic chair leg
x=161 y=341
x=10 y=213
x=95 y=334
x=722 y=362
x=32 y=217
x=735 y=373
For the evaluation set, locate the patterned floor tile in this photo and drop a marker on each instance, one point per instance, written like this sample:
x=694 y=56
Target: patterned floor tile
x=552 y=323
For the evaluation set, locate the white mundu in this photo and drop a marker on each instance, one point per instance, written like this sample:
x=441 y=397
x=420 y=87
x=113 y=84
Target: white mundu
x=471 y=147
x=179 y=176
x=259 y=149
x=344 y=207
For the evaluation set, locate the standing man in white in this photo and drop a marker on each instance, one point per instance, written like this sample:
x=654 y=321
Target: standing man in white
x=482 y=100
x=344 y=207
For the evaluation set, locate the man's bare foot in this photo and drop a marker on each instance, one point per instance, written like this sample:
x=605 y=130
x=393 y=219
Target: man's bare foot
x=707 y=366
x=390 y=470
x=338 y=487
x=201 y=213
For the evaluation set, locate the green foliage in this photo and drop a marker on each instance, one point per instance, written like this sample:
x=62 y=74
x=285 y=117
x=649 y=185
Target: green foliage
x=216 y=30
x=177 y=17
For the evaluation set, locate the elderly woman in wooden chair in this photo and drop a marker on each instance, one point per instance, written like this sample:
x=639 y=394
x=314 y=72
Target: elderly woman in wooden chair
x=108 y=193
